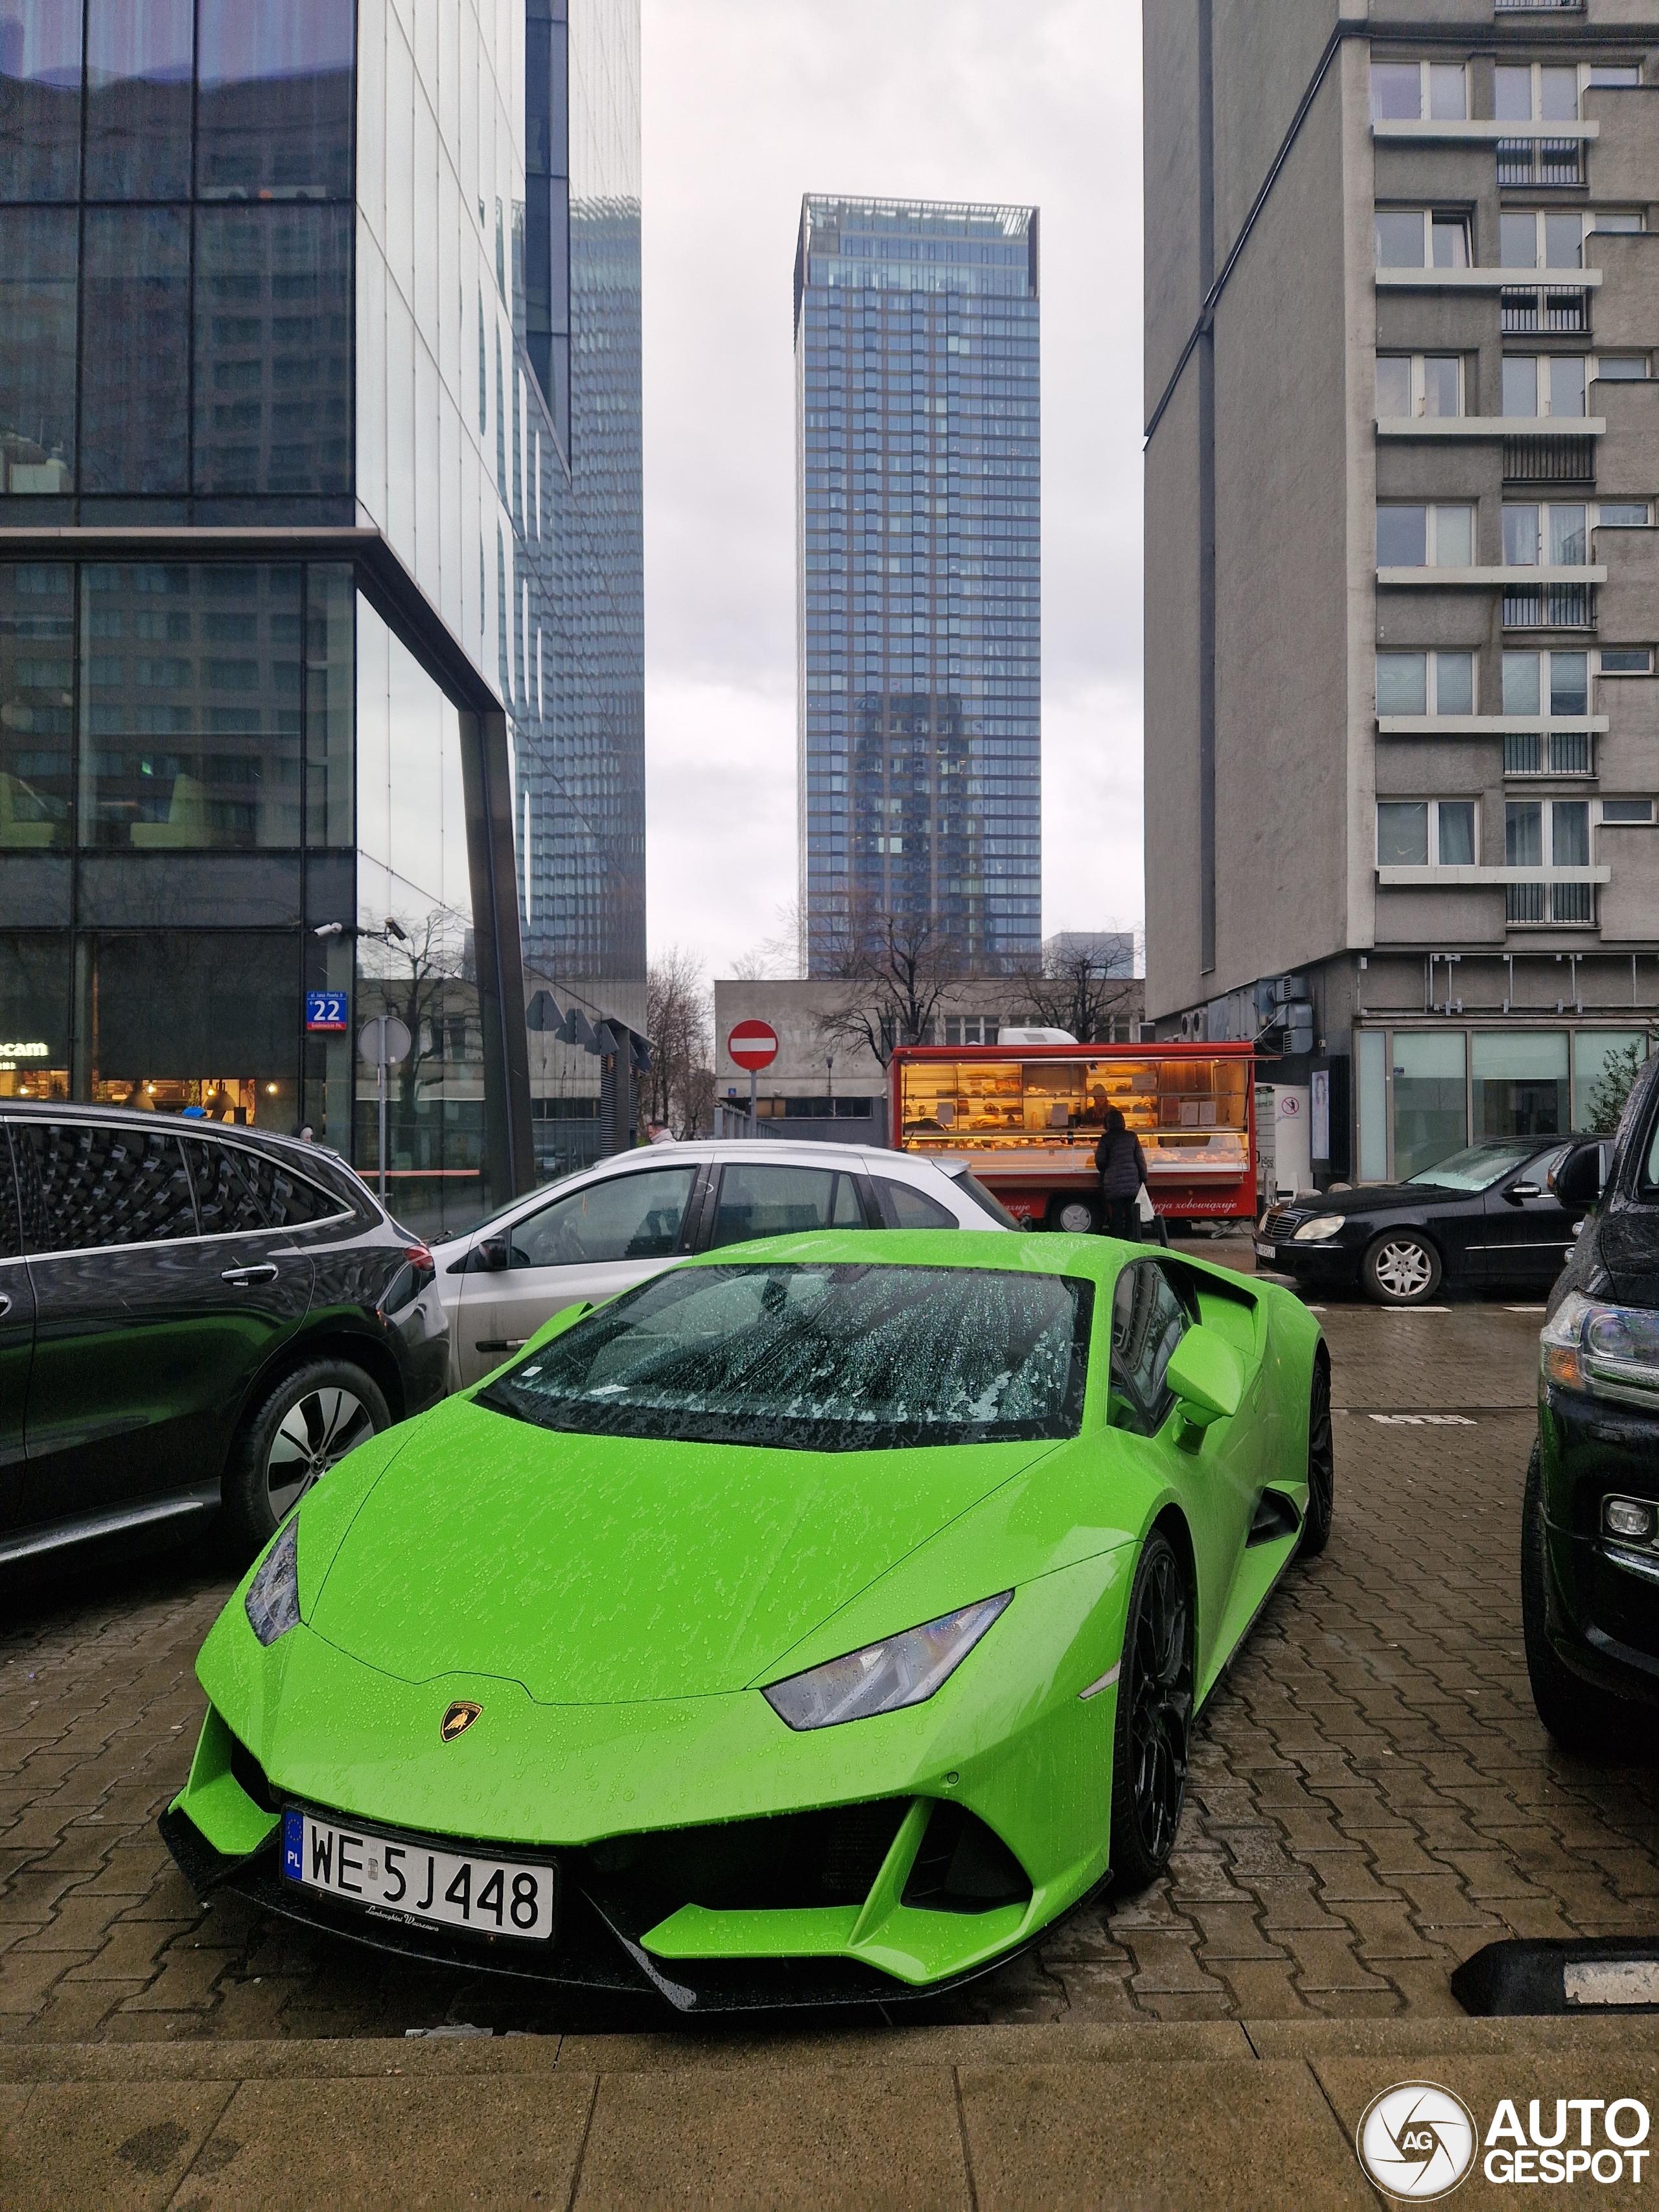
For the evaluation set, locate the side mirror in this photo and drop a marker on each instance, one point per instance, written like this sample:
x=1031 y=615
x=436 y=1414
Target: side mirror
x=1577 y=1181
x=1206 y=1376
x=490 y=1256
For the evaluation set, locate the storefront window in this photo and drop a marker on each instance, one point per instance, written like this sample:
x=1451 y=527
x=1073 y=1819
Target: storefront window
x=35 y=1007
x=191 y=707
x=416 y=956
x=1371 y=1077
x=1605 y=1063
x=1430 y=1106
x=37 y=677
x=203 y=1018
x=1520 y=1083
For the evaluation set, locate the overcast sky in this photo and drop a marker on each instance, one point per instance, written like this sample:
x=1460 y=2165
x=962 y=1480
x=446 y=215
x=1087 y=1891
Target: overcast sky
x=748 y=104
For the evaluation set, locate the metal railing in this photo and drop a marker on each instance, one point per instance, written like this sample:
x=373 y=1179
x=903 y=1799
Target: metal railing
x=1572 y=902
x=1525 y=902
x=1566 y=753
x=1536 y=7
x=1552 y=902
x=1544 y=308
x=1549 y=460
x=731 y=1120
x=1550 y=606
x=1542 y=162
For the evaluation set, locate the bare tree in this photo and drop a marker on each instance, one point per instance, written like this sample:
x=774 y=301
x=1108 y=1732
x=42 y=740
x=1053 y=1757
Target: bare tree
x=679 y=1018
x=1074 y=992
x=776 y=958
x=896 y=971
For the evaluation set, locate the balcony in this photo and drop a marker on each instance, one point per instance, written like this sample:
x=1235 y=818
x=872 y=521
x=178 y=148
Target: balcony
x=1549 y=460
x=1545 y=307
x=1556 y=904
x=1547 y=753
x=1550 y=606
x=1541 y=161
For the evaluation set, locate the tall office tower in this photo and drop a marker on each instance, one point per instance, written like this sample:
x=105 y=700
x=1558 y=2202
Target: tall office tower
x=1402 y=725
x=918 y=609
x=282 y=445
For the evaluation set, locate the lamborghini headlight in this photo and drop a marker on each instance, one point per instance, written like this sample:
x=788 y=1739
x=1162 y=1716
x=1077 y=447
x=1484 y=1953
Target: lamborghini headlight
x=272 y=1602
x=1321 y=1226
x=902 y=1670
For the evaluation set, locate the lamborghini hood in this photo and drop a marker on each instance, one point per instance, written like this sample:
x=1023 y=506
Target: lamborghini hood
x=602 y=1569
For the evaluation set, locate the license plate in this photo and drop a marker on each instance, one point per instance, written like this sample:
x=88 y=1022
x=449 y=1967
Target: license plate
x=1265 y=1251
x=397 y=1879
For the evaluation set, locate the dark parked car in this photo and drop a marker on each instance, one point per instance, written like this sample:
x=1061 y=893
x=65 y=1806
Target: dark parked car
x=1484 y=1219
x=192 y=1315
x=1589 y=1538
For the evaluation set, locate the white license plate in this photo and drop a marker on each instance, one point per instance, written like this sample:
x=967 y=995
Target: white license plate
x=1265 y=1251
x=406 y=1880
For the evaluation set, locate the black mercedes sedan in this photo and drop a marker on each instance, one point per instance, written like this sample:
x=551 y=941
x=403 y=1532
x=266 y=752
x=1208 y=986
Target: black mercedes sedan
x=1484 y=1219
x=1590 y=1534
x=192 y=1318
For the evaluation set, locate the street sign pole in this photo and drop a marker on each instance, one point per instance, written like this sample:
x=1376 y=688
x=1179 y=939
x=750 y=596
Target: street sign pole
x=751 y=1102
x=384 y=1041
x=379 y=1056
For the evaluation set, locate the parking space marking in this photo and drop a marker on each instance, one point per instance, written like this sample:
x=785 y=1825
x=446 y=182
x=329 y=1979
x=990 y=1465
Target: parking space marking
x=1526 y=1308
x=1425 y=1420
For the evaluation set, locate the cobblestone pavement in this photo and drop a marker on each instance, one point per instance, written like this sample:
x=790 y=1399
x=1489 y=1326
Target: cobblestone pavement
x=1372 y=1795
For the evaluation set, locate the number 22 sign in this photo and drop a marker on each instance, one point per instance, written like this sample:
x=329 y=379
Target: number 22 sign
x=327 y=1010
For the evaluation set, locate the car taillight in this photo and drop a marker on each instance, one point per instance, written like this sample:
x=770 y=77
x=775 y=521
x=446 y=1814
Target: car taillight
x=426 y=1267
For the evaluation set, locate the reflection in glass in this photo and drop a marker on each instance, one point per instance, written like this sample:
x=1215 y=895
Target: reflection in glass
x=1520 y=1083
x=37 y=255
x=39 y=100
x=134 y=400
x=34 y=1010
x=1569 y=683
x=198 y=1018
x=1600 y=1059
x=273 y=349
x=138 y=100
x=36 y=671
x=274 y=109
x=1429 y=1107
x=191 y=707
x=414 y=940
x=1401 y=685
x=331 y=704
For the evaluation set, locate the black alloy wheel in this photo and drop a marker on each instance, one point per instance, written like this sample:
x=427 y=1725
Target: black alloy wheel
x=1586 y=1720
x=1154 y=1718
x=304 y=1425
x=1321 y=1466
x=1401 y=1268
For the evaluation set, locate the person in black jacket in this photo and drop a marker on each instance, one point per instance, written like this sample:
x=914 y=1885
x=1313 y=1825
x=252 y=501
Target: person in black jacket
x=1122 y=1167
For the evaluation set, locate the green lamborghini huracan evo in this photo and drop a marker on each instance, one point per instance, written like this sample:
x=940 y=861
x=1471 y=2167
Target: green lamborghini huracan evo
x=814 y=1622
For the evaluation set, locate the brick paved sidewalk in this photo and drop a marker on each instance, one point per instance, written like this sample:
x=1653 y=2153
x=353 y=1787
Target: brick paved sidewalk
x=1372 y=1799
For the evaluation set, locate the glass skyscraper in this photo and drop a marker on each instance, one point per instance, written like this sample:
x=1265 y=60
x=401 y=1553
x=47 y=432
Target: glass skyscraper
x=916 y=356
x=319 y=574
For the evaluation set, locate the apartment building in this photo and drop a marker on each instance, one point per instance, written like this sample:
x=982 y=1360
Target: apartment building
x=1402 y=463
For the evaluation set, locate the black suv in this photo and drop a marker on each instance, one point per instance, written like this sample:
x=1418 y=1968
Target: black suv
x=192 y=1315
x=1589 y=1542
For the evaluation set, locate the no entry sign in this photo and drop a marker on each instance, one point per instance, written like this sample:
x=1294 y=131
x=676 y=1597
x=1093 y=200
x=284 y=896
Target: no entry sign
x=753 y=1045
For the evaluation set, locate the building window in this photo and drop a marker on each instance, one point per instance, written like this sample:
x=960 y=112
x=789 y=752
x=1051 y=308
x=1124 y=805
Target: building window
x=37 y=679
x=1412 y=92
x=1531 y=679
x=1421 y=238
x=1543 y=238
x=1431 y=1100
x=1439 y=537
x=1536 y=384
x=1425 y=833
x=1622 y=368
x=1625 y=660
x=1518 y=1083
x=1623 y=515
x=1556 y=536
x=1411 y=385
x=1535 y=92
x=1627 y=810
x=1425 y=683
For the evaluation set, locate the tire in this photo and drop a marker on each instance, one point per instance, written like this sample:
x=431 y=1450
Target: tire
x=1401 y=1268
x=1586 y=1720
x=1322 y=1466
x=1153 y=1728
x=304 y=1424
x=1074 y=1215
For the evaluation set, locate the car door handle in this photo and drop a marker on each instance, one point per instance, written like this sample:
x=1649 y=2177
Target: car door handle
x=264 y=1271
x=501 y=1344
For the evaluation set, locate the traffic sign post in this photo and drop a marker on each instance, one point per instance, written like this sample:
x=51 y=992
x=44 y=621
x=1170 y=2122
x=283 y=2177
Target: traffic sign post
x=753 y=1045
x=383 y=1043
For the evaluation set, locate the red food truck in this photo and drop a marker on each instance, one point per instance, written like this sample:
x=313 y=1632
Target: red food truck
x=1027 y=1118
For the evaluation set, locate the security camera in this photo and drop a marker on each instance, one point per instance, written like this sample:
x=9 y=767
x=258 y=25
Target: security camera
x=329 y=929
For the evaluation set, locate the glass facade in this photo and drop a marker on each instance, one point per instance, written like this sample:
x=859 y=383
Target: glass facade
x=916 y=349
x=1425 y=1094
x=176 y=271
